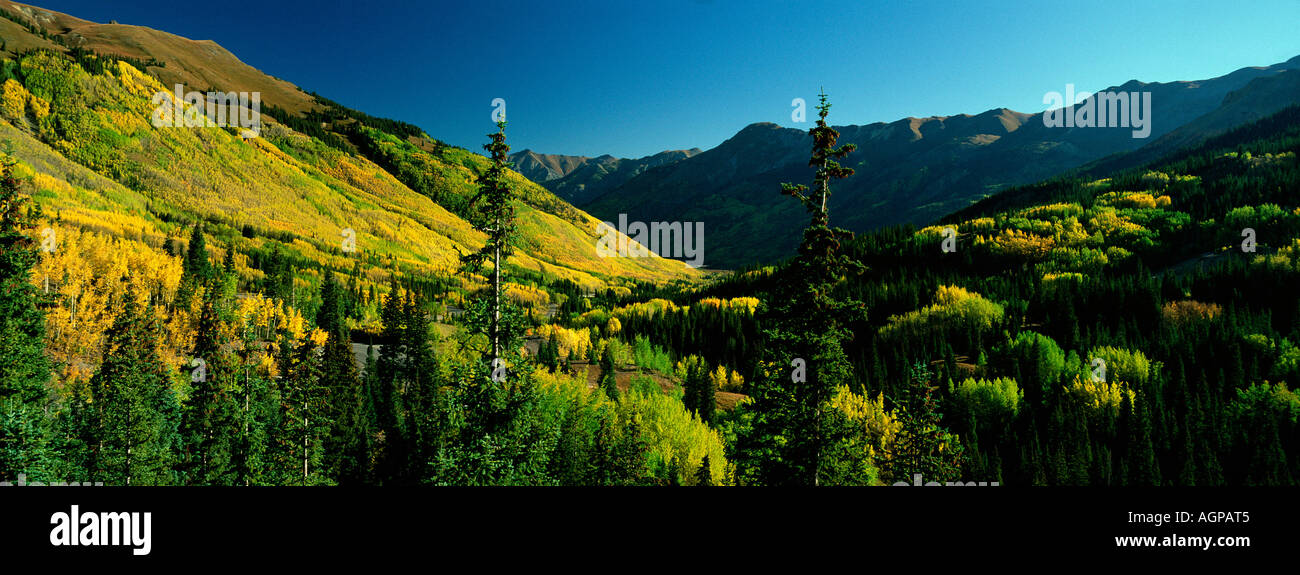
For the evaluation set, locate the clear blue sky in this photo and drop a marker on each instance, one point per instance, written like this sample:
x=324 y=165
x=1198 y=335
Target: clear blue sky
x=633 y=78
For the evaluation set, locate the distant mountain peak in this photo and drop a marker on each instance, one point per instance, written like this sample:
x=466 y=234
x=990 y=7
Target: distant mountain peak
x=916 y=169
x=760 y=126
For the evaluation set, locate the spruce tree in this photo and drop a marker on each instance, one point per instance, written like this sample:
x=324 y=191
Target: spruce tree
x=391 y=372
x=708 y=403
x=24 y=369
x=304 y=424
x=691 y=386
x=704 y=475
x=804 y=357
x=698 y=393
x=609 y=373
x=421 y=397
x=347 y=448
x=136 y=411
x=497 y=439
x=386 y=439
x=922 y=445
x=208 y=424
x=330 y=315
x=548 y=353
x=493 y=213
x=197 y=266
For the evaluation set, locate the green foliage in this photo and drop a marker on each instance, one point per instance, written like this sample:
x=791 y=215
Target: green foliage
x=790 y=435
x=990 y=401
x=208 y=422
x=24 y=369
x=923 y=446
x=671 y=432
x=133 y=433
x=955 y=309
x=651 y=357
x=1265 y=415
x=300 y=443
x=496 y=218
x=1042 y=362
x=1051 y=277
x=609 y=372
x=699 y=393
x=1128 y=366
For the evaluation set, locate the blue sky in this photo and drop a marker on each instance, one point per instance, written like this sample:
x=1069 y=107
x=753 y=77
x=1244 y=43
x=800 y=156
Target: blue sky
x=633 y=78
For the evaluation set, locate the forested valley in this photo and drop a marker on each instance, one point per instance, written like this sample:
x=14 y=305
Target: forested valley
x=1141 y=328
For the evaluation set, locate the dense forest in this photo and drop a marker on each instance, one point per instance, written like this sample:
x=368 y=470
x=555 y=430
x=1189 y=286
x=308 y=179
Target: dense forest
x=1134 y=329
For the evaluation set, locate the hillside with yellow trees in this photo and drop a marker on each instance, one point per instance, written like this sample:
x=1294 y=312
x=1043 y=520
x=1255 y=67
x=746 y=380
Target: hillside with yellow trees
x=171 y=273
x=122 y=196
x=331 y=298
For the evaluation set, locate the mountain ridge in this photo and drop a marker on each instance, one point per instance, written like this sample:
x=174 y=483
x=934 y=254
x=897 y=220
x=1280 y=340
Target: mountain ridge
x=286 y=188
x=909 y=171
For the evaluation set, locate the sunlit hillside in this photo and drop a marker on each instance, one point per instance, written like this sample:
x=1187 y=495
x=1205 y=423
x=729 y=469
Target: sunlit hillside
x=122 y=197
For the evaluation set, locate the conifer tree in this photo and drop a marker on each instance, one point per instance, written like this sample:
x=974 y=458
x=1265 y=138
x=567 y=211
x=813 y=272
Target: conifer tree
x=674 y=472
x=303 y=413
x=707 y=402
x=392 y=366
x=330 y=316
x=24 y=369
x=260 y=420
x=493 y=213
x=789 y=433
x=136 y=415
x=388 y=450
x=347 y=448
x=420 y=402
x=922 y=445
x=704 y=475
x=609 y=373
x=208 y=422
x=548 y=353
x=691 y=385
x=699 y=394
x=197 y=264
x=279 y=277
x=495 y=393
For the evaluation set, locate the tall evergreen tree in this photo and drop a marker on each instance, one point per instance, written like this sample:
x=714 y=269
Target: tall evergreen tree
x=304 y=427
x=391 y=372
x=208 y=424
x=609 y=372
x=420 y=400
x=347 y=449
x=197 y=264
x=922 y=445
x=805 y=358
x=330 y=316
x=135 y=424
x=24 y=369
x=493 y=213
x=704 y=475
x=548 y=353
x=699 y=394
